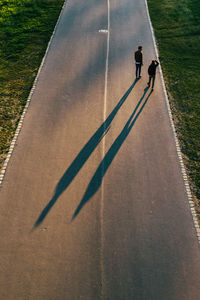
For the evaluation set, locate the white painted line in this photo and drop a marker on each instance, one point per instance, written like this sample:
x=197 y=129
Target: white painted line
x=103 y=30
x=103 y=151
x=178 y=149
x=20 y=124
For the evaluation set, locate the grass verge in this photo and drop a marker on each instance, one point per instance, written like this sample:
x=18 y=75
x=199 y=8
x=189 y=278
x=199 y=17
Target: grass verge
x=177 y=29
x=25 y=29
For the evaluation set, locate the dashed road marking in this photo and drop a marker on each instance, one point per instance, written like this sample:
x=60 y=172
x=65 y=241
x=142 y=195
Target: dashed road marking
x=103 y=30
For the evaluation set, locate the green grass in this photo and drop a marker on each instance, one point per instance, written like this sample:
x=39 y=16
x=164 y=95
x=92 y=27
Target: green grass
x=25 y=29
x=177 y=28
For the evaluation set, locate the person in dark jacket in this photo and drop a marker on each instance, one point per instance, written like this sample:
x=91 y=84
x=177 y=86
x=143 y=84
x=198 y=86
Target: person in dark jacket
x=152 y=72
x=138 y=61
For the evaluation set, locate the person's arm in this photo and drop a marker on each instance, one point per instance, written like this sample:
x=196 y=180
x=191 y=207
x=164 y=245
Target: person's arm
x=157 y=63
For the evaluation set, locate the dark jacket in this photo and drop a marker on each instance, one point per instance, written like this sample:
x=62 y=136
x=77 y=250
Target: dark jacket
x=138 y=56
x=152 y=68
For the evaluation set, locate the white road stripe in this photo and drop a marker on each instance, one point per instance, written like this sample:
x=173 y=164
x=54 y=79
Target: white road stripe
x=103 y=30
x=103 y=146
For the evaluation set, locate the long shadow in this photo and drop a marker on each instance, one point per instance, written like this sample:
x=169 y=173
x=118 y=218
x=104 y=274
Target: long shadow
x=96 y=180
x=82 y=157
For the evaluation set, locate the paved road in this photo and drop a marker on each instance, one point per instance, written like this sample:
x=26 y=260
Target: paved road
x=93 y=204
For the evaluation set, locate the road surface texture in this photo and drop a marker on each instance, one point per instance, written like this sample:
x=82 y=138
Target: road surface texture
x=93 y=204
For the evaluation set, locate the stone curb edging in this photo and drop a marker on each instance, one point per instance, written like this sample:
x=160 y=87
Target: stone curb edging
x=20 y=124
x=178 y=149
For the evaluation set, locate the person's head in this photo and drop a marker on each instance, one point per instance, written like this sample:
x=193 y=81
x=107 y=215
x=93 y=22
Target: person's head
x=140 y=48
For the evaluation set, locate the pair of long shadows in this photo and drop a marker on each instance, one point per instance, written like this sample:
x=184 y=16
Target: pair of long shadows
x=96 y=180
x=87 y=150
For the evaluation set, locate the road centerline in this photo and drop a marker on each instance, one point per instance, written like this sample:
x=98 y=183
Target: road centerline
x=103 y=145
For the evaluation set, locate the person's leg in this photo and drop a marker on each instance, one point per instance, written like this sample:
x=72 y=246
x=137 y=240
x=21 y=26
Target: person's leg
x=136 y=70
x=149 y=82
x=153 y=80
x=140 y=66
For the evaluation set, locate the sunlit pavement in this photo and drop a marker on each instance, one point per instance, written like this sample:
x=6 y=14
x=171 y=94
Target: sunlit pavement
x=93 y=203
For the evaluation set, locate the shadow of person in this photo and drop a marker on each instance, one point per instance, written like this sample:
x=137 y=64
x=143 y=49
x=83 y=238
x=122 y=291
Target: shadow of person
x=96 y=180
x=82 y=157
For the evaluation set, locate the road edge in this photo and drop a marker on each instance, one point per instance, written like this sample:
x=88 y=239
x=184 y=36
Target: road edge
x=178 y=149
x=20 y=124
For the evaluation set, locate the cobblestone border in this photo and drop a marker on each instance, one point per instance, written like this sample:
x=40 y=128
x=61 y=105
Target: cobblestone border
x=178 y=149
x=20 y=124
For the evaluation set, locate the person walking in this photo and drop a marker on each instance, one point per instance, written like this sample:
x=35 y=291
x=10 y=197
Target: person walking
x=152 y=72
x=138 y=61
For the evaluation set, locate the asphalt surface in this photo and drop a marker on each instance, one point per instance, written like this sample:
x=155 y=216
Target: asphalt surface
x=93 y=204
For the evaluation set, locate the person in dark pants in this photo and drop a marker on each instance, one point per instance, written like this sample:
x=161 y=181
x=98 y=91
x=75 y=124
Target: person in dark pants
x=138 y=61
x=152 y=72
